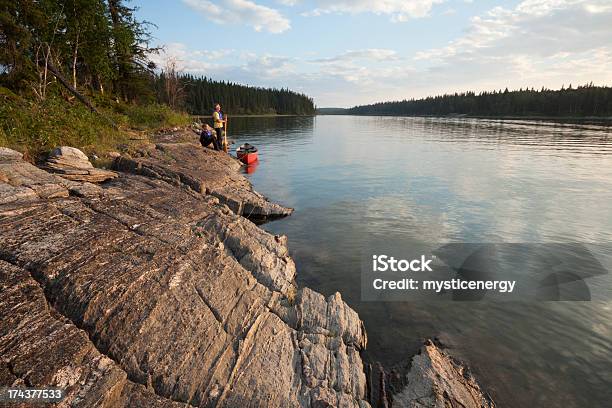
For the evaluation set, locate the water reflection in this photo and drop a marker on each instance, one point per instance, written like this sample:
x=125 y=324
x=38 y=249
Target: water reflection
x=251 y=168
x=358 y=180
x=264 y=127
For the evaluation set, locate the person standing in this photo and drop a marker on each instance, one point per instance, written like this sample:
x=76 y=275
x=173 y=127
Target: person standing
x=219 y=122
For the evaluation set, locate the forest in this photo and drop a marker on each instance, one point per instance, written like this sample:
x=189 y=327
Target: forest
x=81 y=72
x=583 y=101
x=96 y=45
x=201 y=93
x=100 y=46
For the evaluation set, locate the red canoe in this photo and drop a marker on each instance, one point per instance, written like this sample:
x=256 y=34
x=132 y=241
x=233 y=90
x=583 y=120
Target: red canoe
x=247 y=154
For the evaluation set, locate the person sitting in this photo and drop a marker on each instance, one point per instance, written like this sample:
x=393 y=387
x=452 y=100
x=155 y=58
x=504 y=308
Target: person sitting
x=208 y=137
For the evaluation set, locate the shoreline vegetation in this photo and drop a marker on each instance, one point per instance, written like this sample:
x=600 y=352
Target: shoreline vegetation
x=81 y=74
x=587 y=102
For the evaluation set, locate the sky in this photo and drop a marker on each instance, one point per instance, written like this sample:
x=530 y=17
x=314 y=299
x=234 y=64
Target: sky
x=344 y=53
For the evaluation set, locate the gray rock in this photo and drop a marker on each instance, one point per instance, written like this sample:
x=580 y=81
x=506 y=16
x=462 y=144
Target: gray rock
x=204 y=171
x=69 y=157
x=183 y=300
x=436 y=380
x=7 y=154
x=40 y=348
x=21 y=181
x=72 y=164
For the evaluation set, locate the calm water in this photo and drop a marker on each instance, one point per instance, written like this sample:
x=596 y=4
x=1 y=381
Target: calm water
x=356 y=180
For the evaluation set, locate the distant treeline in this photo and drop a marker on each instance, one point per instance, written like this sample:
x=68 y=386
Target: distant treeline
x=587 y=100
x=201 y=93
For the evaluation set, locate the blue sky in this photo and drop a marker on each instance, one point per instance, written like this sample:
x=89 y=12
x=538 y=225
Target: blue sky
x=349 y=52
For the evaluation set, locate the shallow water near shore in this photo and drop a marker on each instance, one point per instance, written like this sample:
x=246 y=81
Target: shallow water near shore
x=358 y=180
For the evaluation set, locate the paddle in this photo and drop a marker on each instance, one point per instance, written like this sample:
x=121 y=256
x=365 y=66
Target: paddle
x=225 y=148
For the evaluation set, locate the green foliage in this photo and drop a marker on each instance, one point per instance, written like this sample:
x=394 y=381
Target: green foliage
x=16 y=42
x=130 y=56
x=37 y=127
x=4 y=141
x=97 y=44
x=588 y=100
x=154 y=116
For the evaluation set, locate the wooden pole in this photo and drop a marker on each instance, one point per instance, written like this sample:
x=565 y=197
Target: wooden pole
x=225 y=148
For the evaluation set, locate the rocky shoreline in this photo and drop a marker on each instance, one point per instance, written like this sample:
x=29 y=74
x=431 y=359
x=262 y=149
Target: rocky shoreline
x=156 y=288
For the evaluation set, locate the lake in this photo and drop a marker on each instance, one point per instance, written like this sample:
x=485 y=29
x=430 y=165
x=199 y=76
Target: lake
x=358 y=180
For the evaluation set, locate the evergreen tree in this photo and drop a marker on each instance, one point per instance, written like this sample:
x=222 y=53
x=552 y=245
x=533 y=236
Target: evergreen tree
x=97 y=44
x=586 y=100
x=202 y=93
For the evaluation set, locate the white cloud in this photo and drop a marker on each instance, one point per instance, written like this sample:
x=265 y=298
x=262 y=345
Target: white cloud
x=267 y=67
x=537 y=43
x=193 y=61
x=540 y=28
x=398 y=10
x=244 y=67
x=261 y=18
x=366 y=54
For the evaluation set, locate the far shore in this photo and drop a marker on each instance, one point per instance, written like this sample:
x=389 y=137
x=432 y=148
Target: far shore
x=605 y=119
x=501 y=117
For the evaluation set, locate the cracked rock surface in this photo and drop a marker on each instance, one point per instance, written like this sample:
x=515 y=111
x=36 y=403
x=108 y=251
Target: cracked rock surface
x=41 y=348
x=205 y=171
x=149 y=291
x=436 y=380
x=153 y=289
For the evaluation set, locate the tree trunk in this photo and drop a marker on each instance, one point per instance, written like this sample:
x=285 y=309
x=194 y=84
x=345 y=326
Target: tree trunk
x=74 y=62
x=72 y=90
x=113 y=8
x=100 y=84
x=76 y=93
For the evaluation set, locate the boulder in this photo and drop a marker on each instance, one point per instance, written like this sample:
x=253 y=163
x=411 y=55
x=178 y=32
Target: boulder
x=7 y=154
x=69 y=157
x=436 y=380
x=73 y=164
x=21 y=181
